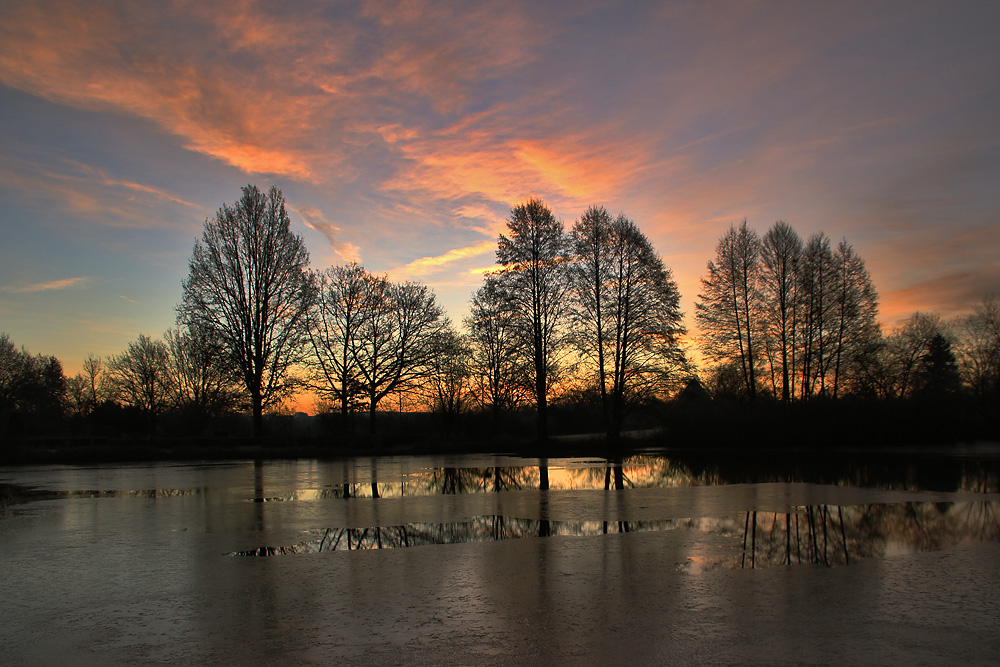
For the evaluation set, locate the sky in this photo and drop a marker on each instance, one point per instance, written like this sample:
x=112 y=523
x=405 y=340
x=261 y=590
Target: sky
x=401 y=133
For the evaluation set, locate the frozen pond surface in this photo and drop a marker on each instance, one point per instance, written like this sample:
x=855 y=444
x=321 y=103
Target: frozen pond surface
x=471 y=560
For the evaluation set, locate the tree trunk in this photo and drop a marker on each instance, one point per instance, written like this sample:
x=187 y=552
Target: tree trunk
x=541 y=399
x=258 y=413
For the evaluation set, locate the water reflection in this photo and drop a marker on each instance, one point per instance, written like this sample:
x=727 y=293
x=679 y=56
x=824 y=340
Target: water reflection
x=648 y=471
x=822 y=534
x=835 y=535
x=11 y=494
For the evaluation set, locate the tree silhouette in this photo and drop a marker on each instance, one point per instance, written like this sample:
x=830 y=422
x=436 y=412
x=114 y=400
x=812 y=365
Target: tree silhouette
x=334 y=323
x=781 y=251
x=937 y=375
x=627 y=319
x=534 y=259
x=855 y=314
x=248 y=285
x=729 y=307
x=202 y=382
x=397 y=339
x=500 y=358
x=140 y=377
x=978 y=350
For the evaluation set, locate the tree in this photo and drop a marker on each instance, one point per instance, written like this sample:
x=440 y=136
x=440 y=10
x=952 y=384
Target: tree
x=729 y=307
x=499 y=363
x=781 y=251
x=30 y=385
x=978 y=349
x=249 y=288
x=936 y=376
x=140 y=377
x=396 y=340
x=334 y=322
x=855 y=313
x=202 y=382
x=534 y=259
x=889 y=366
x=591 y=274
x=15 y=373
x=627 y=315
x=447 y=385
x=817 y=290
x=88 y=385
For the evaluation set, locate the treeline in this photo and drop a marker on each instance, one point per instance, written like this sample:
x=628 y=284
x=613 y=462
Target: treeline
x=796 y=321
x=585 y=322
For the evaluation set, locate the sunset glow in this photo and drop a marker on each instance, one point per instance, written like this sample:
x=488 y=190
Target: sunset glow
x=401 y=133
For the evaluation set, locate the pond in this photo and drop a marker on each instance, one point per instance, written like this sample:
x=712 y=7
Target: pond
x=888 y=558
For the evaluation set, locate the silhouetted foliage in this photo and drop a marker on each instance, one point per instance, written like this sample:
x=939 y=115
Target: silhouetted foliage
x=447 y=386
x=32 y=388
x=795 y=318
x=781 y=253
x=978 y=351
x=936 y=375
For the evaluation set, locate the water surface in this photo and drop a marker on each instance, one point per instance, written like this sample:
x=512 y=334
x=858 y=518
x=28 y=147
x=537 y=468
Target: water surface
x=500 y=560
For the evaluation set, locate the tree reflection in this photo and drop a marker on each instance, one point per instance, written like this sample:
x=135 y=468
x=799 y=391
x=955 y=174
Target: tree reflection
x=837 y=535
x=619 y=472
x=828 y=535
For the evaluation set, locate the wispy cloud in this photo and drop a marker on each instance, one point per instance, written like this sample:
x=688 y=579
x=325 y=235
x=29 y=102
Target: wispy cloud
x=85 y=190
x=429 y=265
x=314 y=219
x=49 y=285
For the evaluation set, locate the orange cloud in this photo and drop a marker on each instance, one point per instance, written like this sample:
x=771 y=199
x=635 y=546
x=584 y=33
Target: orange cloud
x=205 y=90
x=496 y=163
x=290 y=93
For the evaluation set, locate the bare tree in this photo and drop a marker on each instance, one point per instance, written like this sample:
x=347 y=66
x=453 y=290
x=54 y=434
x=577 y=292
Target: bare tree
x=817 y=293
x=30 y=385
x=202 y=382
x=534 y=259
x=978 y=349
x=249 y=286
x=890 y=366
x=627 y=316
x=15 y=373
x=447 y=386
x=590 y=274
x=86 y=388
x=728 y=310
x=334 y=323
x=855 y=313
x=781 y=250
x=139 y=376
x=396 y=340
x=500 y=361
